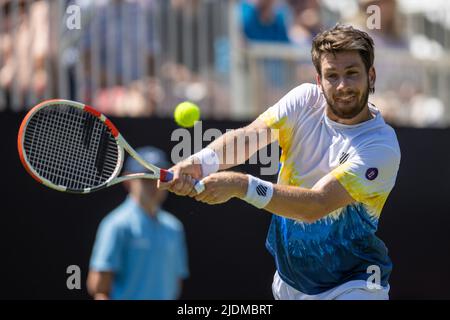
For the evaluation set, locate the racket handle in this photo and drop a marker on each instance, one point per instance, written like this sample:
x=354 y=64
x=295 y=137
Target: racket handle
x=166 y=176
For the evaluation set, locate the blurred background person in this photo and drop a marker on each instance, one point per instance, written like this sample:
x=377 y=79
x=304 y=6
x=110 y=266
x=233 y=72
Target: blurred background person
x=140 y=250
x=306 y=21
x=118 y=48
x=24 y=49
x=263 y=20
x=387 y=35
x=390 y=32
x=400 y=97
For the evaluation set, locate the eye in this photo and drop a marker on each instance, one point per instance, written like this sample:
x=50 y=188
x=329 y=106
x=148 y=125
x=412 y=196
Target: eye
x=352 y=73
x=331 y=76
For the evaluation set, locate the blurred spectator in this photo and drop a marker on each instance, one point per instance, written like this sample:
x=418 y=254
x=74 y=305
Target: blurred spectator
x=185 y=15
x=190 y=47
x=137 y=99
x=392 y=93
x=262 y=20
x=140 y=250
x=427 y=111
x=399 y=93
x=265 y=22
x=24 y=50
x=118 y=48
x=123 y=32
x=306 y=21
x=390 y=32
x=126 y=88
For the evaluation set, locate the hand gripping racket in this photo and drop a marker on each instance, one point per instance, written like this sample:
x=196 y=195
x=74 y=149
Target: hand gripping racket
x=71 y=147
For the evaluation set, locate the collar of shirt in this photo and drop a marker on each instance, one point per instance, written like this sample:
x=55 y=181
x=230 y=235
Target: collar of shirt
x=140 y=213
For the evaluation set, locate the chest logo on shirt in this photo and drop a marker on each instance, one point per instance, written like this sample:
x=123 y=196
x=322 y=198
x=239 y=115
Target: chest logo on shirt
x=371 y=174
x=344 y=156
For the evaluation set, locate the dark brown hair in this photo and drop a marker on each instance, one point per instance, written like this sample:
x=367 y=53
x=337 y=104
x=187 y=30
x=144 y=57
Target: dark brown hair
x=343 y=38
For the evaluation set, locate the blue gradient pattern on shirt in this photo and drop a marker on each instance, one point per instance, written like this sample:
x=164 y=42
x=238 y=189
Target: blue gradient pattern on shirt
x=338 y=248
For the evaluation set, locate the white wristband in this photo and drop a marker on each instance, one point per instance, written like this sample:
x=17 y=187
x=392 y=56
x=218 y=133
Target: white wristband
x=209 y=160
x=259 y=192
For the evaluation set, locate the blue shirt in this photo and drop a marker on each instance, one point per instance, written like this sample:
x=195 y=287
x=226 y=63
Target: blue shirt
x=316 y=257
x=147 y=255
x=256 y=30
x=275 y=30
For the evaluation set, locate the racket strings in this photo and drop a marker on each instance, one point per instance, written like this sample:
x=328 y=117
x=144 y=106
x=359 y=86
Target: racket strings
x=70 y=147
x=64 y=152
x=45 y=159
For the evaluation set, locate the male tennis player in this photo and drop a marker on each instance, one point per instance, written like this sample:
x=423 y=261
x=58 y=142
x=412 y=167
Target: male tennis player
x=339 y=163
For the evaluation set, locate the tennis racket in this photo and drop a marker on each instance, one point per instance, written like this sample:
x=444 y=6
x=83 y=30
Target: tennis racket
x=71 y=147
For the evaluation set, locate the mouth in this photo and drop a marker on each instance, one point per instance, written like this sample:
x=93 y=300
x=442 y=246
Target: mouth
x=346 y=99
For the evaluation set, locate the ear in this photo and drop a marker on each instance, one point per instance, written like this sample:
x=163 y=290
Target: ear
x=319 y=81
x=372 y=76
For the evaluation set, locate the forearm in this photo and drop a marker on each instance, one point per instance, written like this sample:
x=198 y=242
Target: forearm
x=237 y=146
x=307 y=205
x=225 y=148
x=99 y=284
x=101 y=296
x=99 y=292
x=297 y=203
x=289 y=201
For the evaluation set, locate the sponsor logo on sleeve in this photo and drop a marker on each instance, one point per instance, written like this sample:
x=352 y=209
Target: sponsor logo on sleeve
x=344 y=156
x=371 y=174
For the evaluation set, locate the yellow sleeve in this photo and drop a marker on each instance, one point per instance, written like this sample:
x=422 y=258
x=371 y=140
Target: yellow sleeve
x=369 y=177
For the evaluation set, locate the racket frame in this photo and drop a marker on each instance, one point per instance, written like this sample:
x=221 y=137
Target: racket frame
x=122 y=145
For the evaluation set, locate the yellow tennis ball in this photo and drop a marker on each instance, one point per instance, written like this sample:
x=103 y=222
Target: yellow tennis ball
x=186 y=113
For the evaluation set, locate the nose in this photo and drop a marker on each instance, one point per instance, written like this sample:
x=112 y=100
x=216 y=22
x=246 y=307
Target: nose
x=342 y=84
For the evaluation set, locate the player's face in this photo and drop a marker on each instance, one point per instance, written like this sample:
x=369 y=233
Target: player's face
x=345 y=83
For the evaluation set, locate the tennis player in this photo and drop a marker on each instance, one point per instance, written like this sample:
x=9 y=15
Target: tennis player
x=339 y=163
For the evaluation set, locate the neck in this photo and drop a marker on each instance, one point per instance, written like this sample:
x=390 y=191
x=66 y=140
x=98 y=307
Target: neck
x=363 y=116
x=151 y=210
x=150 y=207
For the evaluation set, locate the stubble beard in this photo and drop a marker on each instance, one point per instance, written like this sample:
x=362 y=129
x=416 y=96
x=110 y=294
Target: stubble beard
x=353 y=112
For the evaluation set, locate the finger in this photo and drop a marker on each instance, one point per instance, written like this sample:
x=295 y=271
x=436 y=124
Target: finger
x=193 y=193
x=176 y=173
x=187 y=186
x=163 y=185
x=202 y=196
x=207 y=200
x=211 y=200
x=183 y=186
x=177 y=187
